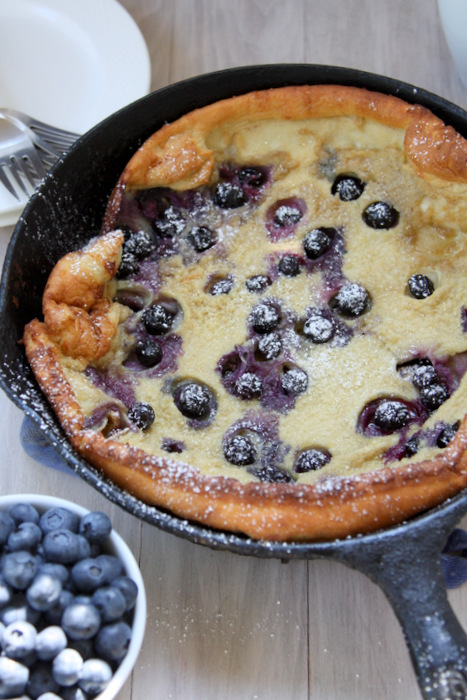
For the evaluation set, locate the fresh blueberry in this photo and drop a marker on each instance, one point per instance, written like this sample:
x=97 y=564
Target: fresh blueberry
x=248 y=386
x=81 y=621
x=311 y=459
x=447 y=434
x=89 y=574
x=24 y=512
x=53 y=616
x=7 y=525
x=110 y=602
x=18 y=610
x=318 y=241
x=318 y=327
x=19 y=569
x=391 y=415
x=294 y=381
x=49 y=642
x=201 y=238
x=27 y=536
x=347 y=187
x=96 y=526
x=239 y=450
x=264 y=317
x=269 y=346
x=258 y=283
x=352 y=300
x=41 y=681
x=229 y=196
x=157 y=319
x=287 y=215
x=433 y=396
x=380 y=215
x=420 y=286
x=139 y=243
x=111 y=566
x=128 y=589
x=59 y=519
x=112 y=641
x=142 y=415
x=251 y=176
x=5 y=593
x=221 y=285
x=149 y=352
x=19 y=639
x=193 y=399
x=44 y=592
x=171 y=223
x=84 y=647
x=66 y=667
x=289 y=265
x=95 y=676
x=13 y=678
x=61 y=546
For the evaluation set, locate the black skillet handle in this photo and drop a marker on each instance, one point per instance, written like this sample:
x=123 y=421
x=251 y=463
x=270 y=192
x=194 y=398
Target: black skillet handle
x=407 y=569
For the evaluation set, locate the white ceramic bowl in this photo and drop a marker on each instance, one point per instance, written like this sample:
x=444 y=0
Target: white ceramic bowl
x=120 y=549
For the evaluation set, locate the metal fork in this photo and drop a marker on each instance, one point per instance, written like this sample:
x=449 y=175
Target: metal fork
x=51 y=141
x=21 y=169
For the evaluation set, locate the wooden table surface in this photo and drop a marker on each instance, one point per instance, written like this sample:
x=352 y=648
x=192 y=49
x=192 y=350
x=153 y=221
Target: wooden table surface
x=222 y=626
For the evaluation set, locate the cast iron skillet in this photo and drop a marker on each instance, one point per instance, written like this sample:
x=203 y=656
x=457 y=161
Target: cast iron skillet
x=67 y=210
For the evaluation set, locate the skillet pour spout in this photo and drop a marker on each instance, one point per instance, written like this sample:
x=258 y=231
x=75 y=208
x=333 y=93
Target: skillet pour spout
x=68 y=210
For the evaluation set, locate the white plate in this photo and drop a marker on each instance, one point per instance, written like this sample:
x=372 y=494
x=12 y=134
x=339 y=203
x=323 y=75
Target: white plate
x=70 y=64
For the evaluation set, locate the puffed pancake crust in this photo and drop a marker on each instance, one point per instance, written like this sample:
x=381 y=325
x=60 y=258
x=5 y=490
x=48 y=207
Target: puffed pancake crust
x=269 y=336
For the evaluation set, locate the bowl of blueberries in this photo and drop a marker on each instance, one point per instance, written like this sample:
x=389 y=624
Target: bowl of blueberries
x=72 y=602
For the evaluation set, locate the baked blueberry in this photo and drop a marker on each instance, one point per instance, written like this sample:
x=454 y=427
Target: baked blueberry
x=252 y=176
x=258 y=283
x=171 y=223
x=220 y=285
x=269 y=346
x=391 y=415
x=229 y=196
x=264 y=317
x=248 y=386
x=201 y=238
x=157 y=319
x=142 y=415
x=447 y=434
x=129 y=265
x=272 y=474
x=318 y=327
x=139 y=243
x=420 y=286
x=311 y=459
x=433 y=396
x=239 y=450
x=412 y=446
x=380 y=215
x=318 y=241
x=287 y=215
x=289 y=265
x=352 y=300
x=193 y=399
x=347 y=187
x=424 y=375
x=294 y=380
x=149 y=352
